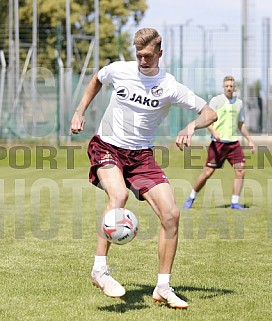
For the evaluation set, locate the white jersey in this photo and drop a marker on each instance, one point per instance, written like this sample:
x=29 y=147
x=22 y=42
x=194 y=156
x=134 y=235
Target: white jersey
x=139 y=104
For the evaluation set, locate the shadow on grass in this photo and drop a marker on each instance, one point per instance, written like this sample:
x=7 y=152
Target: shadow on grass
x=135 y=299
x=228 y=206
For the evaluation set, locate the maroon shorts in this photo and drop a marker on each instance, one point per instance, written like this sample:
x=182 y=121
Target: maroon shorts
x=219 y=152
x=139 y=168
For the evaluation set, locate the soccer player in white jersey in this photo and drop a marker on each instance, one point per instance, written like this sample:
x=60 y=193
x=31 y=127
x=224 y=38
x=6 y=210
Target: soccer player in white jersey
x=121 y=152
x=224 y=143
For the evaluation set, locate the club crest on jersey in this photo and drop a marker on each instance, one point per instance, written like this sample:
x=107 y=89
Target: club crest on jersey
x=156 y=91
x=122 y=92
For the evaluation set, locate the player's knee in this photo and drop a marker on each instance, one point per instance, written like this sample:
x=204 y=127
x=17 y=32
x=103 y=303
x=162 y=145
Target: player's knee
x=208 y=173
x=240 y=173
x=170 y=220
x=118 y=198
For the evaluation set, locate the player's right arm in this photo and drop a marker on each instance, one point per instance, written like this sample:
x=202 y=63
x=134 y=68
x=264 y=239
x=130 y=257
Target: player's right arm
x=78 y=120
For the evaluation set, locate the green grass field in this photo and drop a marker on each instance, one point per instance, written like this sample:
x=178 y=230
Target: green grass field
x=48 y=218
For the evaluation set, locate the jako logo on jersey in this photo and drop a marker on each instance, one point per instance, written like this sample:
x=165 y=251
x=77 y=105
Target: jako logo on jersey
x=122 y=92
x=145 y=100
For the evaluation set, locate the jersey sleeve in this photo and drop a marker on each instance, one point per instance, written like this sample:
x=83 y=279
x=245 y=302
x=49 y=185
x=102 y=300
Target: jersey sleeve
x=213 y=103
x=105 y=74
x=186 y=98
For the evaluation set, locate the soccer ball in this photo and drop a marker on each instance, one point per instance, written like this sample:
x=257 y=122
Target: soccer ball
x=119 y=226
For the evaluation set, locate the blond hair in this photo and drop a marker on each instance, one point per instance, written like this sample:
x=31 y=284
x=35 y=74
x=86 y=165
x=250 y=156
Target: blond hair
x=147 y=36
x=228 y=78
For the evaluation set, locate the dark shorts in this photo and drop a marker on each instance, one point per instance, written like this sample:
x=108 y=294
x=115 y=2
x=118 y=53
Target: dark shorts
x=139 y=168
x=219 y=152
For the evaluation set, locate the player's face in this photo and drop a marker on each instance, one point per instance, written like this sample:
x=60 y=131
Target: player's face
x=229 y=88
x=148 y=59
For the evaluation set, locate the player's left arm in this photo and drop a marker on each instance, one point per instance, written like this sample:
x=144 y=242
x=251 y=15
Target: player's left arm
x=244 y=131
x=206 y=117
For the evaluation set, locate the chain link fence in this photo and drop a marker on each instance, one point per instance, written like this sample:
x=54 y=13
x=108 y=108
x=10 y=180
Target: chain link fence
x=39 y=104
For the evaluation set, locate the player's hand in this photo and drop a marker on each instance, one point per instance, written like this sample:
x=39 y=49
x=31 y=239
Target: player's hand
x=216 y=135
x=252 y=147
x=77 y=123
x=184 y=137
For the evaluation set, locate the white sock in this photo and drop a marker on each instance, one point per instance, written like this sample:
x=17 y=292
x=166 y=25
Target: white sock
x=99 y=261
x=193 y=194
x=235 y=199
x=163 y=279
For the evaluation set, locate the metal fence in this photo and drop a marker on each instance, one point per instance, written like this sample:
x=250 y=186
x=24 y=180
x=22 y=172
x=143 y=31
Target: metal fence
x=39 y=102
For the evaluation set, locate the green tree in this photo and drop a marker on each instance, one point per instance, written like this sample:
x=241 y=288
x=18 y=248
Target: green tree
x=4 y=25
x=113 y=39
x=114 y=15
